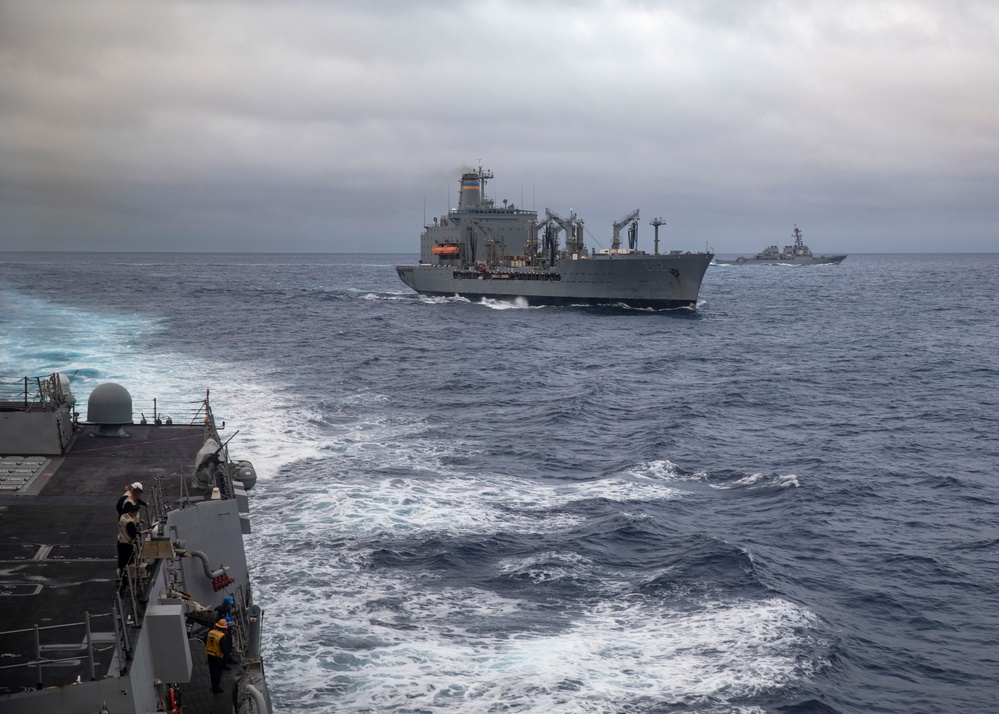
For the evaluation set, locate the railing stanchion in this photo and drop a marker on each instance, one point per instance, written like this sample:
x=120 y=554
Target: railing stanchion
x=38 y=657
x=90 y=649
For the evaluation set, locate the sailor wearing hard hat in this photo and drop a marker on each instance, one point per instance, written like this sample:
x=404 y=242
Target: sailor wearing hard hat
x=217 y=647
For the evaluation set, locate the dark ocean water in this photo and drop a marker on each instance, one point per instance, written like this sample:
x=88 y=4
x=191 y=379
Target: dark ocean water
x=784 y=501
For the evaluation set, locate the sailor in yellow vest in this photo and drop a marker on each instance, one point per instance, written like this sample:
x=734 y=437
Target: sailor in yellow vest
x=218 y=647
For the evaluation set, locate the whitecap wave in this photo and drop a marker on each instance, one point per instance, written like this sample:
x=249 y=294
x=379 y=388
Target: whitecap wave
x=761 y=480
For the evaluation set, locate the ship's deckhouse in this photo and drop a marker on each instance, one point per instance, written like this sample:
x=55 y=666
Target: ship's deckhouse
x=478 y=230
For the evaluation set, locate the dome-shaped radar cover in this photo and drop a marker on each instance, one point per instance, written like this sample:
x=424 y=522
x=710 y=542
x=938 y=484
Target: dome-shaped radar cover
x=110 y=404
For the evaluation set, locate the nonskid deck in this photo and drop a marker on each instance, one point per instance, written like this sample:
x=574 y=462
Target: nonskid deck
x=59 y=559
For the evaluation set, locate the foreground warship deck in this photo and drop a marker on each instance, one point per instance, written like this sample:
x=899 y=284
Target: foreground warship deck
x=480 y=250
x=71 y=640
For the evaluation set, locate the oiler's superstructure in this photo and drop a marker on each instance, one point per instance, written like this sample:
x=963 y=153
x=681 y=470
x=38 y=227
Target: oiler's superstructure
x=481 y=250
x=77 y=635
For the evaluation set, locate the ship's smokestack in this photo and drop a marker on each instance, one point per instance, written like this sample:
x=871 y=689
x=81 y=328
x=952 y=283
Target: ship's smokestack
x=471 y=192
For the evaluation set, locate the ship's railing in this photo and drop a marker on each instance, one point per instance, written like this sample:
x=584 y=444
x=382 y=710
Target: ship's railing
x=29 y=392
x=40 y=391
x=130 y=597
x=20 y=392
x=38 y=641
x=147 y=410
x=224 y=474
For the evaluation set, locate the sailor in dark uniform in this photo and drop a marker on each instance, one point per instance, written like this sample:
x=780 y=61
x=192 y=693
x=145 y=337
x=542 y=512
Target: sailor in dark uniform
x=225 y=609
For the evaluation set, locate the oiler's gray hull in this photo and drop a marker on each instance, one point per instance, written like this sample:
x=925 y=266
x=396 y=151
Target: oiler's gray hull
x=633 y=279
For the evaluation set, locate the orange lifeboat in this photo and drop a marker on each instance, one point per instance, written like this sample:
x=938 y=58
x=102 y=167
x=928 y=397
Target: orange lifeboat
x=450 y=250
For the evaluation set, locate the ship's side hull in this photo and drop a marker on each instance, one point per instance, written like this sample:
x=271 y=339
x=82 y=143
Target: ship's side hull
x=817 y=260
x=633 y=279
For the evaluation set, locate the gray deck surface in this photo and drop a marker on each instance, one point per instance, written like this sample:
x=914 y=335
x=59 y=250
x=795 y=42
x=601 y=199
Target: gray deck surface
x=57 y=545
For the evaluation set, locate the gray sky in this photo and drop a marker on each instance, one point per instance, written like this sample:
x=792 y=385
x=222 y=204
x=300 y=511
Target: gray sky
x=328 y=126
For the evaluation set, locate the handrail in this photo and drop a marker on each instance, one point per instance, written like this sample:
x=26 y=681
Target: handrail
x=38 y=661
x=52 y=627
x=31 y=391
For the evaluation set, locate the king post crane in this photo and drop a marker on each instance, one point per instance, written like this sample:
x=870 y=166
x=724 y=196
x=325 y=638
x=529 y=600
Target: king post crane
x=573 y=230
x=632 y=232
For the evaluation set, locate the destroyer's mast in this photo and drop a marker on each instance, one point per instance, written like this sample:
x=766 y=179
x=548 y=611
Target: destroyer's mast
x=796 y=234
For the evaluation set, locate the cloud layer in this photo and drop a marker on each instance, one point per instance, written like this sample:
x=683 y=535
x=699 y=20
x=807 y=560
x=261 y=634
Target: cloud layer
x=328 y=126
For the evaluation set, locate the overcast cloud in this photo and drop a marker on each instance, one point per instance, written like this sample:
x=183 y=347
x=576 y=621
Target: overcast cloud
x=328 y=126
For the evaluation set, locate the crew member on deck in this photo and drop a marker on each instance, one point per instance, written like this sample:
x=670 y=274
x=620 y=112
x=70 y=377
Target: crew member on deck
x=133 y=493
x=129 y=531
x=225 y=609
x=217 y=648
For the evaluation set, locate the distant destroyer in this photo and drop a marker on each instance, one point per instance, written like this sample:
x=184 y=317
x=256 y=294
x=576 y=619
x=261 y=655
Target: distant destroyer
x=479 y=250
x=797 y=254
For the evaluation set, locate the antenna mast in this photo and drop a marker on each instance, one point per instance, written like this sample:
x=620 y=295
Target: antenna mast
x=656 y=222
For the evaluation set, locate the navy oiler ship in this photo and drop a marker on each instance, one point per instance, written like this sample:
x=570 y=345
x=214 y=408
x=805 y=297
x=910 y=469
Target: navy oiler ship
x=481 y=250
x=78 y=634
x=797 y=254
